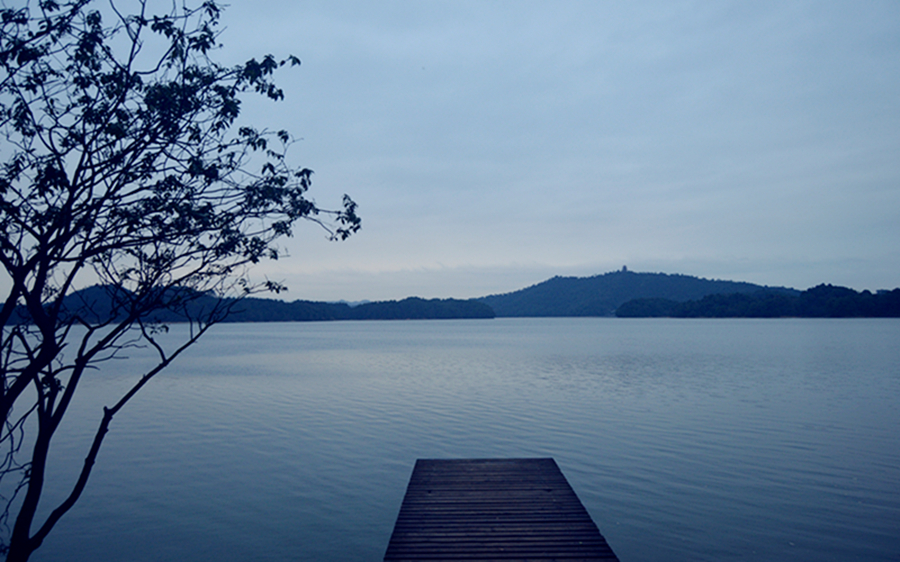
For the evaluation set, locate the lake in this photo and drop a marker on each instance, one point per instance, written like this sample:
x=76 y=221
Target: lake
x=685 y=439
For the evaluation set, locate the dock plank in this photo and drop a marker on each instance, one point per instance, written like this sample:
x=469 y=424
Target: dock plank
x=493 y=510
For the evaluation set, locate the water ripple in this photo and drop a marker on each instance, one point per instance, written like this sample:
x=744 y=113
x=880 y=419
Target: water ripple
x=686 y=440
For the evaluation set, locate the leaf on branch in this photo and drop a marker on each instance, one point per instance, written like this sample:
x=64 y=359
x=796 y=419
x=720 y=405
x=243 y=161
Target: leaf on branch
x=126 y=170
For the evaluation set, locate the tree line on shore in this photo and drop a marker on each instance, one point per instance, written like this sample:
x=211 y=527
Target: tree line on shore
x=822 y=301
x=105 y=303
x=100 y=304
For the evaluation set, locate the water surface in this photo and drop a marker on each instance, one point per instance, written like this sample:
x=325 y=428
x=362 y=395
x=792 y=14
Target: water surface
x=685 y=439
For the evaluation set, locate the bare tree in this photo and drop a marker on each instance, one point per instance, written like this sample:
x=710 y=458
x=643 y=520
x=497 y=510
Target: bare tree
x=122 y=168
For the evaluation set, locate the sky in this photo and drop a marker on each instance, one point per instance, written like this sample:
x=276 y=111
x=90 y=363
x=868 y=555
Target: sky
x=492 y=145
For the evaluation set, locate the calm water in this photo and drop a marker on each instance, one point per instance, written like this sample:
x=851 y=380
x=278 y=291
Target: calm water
x=685 y=439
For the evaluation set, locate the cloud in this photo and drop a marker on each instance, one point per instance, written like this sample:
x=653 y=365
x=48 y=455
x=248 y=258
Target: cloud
x=482 y=136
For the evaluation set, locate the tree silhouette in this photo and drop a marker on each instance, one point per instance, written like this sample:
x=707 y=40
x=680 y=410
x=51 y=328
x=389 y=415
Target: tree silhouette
x=122 y=167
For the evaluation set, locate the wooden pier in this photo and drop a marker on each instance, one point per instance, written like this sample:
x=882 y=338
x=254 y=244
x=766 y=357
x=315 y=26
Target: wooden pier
x=492 y=510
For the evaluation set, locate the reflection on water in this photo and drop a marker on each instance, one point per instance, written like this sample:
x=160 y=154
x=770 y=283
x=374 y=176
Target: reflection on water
x=685 y=439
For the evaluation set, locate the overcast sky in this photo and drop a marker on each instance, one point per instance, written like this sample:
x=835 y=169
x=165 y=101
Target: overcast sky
x=492 y=145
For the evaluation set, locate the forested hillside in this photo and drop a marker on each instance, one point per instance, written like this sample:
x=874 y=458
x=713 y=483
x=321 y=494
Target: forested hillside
x=822 y=301
x=100 y=304
x=412 y=308
x=601 y=295
x=620 y=293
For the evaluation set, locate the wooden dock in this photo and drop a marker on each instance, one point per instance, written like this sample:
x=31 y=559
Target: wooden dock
x=491 y=510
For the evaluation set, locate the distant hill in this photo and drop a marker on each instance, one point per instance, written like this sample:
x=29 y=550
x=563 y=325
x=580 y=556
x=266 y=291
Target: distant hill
x=621 y=293
x=601 y=295
x=822 y=301
x=99 y=304
x=412 y=308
